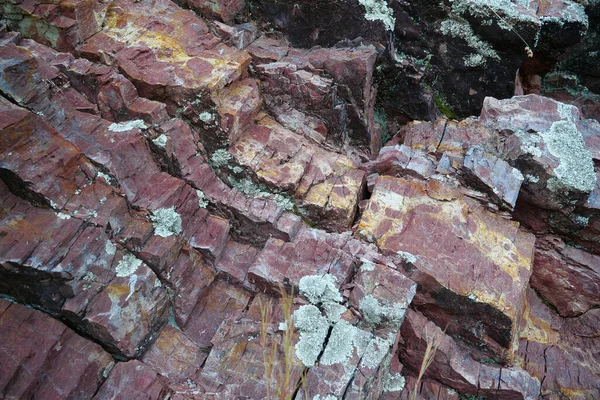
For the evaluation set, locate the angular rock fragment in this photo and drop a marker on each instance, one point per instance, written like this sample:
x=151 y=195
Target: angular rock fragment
x=42 y=358
x=493 y=175
x=453 y=366
x=465 y=257
x=547 y=340
x=133 y=379
x=218 y=303
x=566 y=277
x=310 y=253
x=547 y=146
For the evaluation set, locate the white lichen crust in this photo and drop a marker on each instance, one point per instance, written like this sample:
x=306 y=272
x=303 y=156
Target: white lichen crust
x=576 y=168
x=128 y=265
x=127 y=126
x=378 y=10
x=166 y=222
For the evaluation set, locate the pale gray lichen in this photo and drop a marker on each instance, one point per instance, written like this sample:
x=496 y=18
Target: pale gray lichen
x=378 y=10
x=343 y=340
x=517 y=174
x=206 y=117
x=127 y=126
x=375 y=352
x=110 y=248
x=333 y=311
x=128 y=265
x=393 y=382
x=320 y=289
x=462 y=30
x=166 y=222
x=580 y=220
x=220 y=157
x=473 y=60
x=374 y=312
x=202 y=201
x=367 y=265
x=160 y=141
x=532 y=178
x=62 y=215
x=567 y=111
x=313 y=328
x=576 y=168
x=529 y=142
x=406 y=256
x=106 y=178
x=326 y=397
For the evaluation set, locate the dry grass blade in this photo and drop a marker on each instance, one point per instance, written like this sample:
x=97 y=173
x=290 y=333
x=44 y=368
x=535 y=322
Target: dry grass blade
x=433 y=342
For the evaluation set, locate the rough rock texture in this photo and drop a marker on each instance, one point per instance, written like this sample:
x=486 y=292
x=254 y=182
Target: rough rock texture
x=198 y=203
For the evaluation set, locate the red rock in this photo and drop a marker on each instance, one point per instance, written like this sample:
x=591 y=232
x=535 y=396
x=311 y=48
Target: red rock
x=555 y=176
x=174 y=356
x=132 y=379
x=486 y=260
x=167 y=52
x=453 y=366
x=310 y=253
x=547 y=340
x=238 y=104
x=422 y=135
x=265 y=50
x=219 y=302
x=493 y=175
x=566 y=277
x=236 y=364
x=42 y=165
x=400 y=161
x=42 y=358
x=236 y=259
x=239 y=36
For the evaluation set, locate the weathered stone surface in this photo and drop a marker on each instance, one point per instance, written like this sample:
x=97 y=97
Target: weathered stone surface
x=493 y=175
x=167 y=52
x=311 y=253
x=450 y=365
x=547 y=146
x=43 y=359
x=219 y=302
x=236 y=364
x=547 y=340
x=462 y=254
x=329 y=187
x=566 y=277
x=133 y=379
x=238 y=104
x=174 y=356
x=402 y=161
x=345 y=99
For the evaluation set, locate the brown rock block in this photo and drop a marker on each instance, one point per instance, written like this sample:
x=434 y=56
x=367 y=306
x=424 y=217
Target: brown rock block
x=462 y=254
x=422 y=135
x=401 y=160
x=563 y=353
x=266 y=50
x=43 y=359
x=133 y=379
x=454 y=367
x=236 y=259
x=566 y=277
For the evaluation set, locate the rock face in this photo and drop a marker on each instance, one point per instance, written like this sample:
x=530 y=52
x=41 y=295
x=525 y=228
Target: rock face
x=195 y=206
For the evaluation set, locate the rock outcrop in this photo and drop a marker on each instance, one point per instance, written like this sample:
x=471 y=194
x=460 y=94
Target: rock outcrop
x=195 y=206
